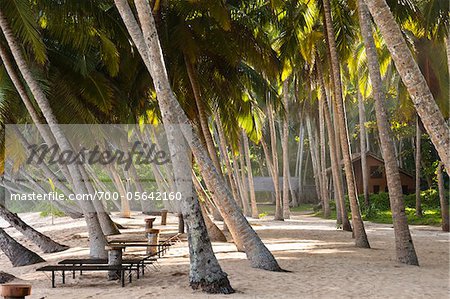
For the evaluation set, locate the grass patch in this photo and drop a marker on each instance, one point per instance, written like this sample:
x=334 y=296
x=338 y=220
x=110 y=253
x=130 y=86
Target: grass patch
x=269 y=209
x=380 y=211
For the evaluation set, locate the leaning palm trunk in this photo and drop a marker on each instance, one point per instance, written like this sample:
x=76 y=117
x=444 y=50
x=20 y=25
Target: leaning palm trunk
x=273 y=146
x=443 y=200
x=238 y=182
x=6 y=277
x=313 y=150
x=335 y=167
x=96 y=238
x=403 y=241
x=285 y=145
x=300 y=160
x=362 y=144
x=245 y=182
x=108 y=226
x=223 y=149
x=358 y=225
x=251 y=183
x=413 y=79
x=214 y=233
x=46 y=244
x=16 y=253
x=326 y=200
x=125 y=211
x=202 y=113
x=151 y=52
x=417 y=162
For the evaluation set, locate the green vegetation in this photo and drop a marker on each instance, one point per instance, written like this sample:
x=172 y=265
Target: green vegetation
x=269 y=209
x=380 y=211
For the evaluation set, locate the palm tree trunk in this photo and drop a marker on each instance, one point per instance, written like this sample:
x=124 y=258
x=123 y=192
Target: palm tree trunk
x=443 y=199
x=362 y=143
x=326 y=200
x=273 y=146
x=108 y=226
x=205 y=271
x=300 y=161
x=340 y=205
x=16 y=253
x=251 y=184
x=417 y=162
x=147 y=205
x=447 y=42
x=214 y=233
x=403 y=241
x=269 y=164
x=6 y=277
x=238 y=182
x=413 y=79
x=313 y=151
x=245 y=183
x=202 y=113
x=46 y=244
x=151 y=52
x=335 y=165
x=125 y=211
x=358 y=225
x=96 y=238
x=285 y=149
x=223 y=147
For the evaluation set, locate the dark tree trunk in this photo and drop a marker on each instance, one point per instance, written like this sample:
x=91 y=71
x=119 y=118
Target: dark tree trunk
x=403 y=242
x=46 y=244
x=6 y=277
x=358 y=225
x=16 y=253
x=417 y=162
x=443 y=199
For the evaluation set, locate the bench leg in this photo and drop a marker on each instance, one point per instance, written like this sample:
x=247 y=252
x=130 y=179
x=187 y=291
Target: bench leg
x=123 y=278
x=53 y=279
x=130 y=273
x=63 y=277
x=73 y=274
x=143 y=268
x=138 y=270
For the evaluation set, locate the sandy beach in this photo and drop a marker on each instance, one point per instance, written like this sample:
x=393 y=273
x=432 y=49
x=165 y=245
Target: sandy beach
x=323 y=263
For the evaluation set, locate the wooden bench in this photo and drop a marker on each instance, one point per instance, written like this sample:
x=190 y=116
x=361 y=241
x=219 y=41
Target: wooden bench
x=90 y=268
x=139 y=262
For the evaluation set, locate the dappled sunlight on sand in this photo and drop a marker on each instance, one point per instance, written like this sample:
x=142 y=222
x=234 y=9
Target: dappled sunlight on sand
x=323 y=262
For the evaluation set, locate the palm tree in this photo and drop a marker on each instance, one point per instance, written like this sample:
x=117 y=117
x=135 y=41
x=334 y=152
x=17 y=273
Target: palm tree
x=285 y=149
x=274 y=163
x=46 y=244
x=16 y=253
x=403 y=241
x=251 y=184
x=358 y=225
x=363 y=149
x=443 y=200
x=323 y=160
x=149 y=48
x=335 y=165
x=413 y=79
x=418 y=159
x=97 y=238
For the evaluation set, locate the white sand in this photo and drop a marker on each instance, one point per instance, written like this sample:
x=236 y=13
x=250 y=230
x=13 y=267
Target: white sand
x=323 y=261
